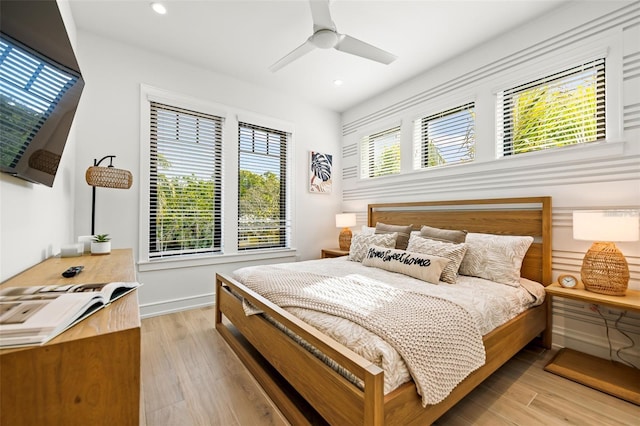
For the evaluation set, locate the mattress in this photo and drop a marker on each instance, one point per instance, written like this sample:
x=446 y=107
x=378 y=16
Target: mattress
x=489 y=304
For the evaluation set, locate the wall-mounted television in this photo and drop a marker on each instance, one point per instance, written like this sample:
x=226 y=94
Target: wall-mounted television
x=40 y=87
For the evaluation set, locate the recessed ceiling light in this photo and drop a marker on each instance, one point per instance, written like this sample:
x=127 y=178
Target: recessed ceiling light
x=159 y=8
x=338 y=82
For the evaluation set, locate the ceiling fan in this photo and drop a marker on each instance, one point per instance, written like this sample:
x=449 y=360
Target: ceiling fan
x=325 y=36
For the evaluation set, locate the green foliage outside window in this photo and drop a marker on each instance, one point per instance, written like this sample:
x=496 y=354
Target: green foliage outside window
x=185 y=218
x=388 y=163
x=544 y=117
x=260 y=195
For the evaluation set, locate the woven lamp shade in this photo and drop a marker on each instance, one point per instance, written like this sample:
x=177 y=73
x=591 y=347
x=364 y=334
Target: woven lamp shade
x=109 y=177
x=605 y=270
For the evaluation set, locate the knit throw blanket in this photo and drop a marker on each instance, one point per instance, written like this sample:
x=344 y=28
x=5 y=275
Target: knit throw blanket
x=438 y=340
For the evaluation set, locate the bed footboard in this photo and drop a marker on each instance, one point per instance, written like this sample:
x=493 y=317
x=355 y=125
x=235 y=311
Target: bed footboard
x=336 y=399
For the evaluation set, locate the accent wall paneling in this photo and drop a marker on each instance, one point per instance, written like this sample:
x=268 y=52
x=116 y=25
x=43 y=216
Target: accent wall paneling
x=572 y=34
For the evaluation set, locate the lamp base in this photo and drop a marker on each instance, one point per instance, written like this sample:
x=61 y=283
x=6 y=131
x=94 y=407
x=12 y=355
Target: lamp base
x=605 y=270
x=345 y=239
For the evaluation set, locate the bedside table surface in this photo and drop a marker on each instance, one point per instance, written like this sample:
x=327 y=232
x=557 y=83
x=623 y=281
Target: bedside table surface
x=333 y=252
x=630 y=301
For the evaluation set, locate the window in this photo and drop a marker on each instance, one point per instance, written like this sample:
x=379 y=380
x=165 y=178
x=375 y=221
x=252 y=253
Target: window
x=185 y=182
x=262 y=197
x=380 y=153
x=448 y=137
x=562 y=109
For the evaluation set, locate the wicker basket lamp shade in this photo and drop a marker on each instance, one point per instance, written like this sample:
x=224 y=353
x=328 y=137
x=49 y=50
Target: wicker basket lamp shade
x=604 y=267
x=109 y=177
x=344 y=221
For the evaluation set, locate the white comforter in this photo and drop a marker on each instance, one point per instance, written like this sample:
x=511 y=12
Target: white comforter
x=489 y=304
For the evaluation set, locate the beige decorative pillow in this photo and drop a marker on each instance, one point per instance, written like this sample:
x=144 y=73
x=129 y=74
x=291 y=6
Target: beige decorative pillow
x=451 y=251
x=424 y=267
x=403 y=233
x=360 y=243
x=495 y=257
x=447 y=235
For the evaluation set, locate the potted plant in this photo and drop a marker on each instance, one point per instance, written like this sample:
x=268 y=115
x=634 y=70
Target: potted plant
x=101 y=244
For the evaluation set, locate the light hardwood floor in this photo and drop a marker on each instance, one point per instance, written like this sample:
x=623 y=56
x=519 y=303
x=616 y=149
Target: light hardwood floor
x=191 y=377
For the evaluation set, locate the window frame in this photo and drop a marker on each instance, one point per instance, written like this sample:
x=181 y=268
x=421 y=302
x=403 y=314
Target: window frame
x=420 y=132
x=193 y=128
x=231 y=116
x=367 y=160
x=284 y=228
x=505 y=107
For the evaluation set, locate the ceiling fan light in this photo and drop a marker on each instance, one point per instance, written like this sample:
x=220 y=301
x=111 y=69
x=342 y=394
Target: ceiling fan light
x=324 y=39
x=159 y=8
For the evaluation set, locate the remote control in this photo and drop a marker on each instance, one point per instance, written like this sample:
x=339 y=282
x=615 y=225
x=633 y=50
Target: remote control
x=72 y=271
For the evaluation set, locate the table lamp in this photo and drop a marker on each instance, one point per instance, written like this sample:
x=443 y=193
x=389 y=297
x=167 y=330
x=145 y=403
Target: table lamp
x=344 y=221
x=604 y=267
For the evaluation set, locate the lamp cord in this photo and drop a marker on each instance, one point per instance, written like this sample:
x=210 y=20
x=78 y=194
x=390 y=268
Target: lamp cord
x=633 y=343
x=619 y=354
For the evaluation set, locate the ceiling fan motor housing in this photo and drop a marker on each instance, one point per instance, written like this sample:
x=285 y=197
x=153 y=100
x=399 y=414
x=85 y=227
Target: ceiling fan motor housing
x=325 y=39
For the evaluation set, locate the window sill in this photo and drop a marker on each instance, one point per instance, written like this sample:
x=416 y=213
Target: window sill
x=286 y=255
x=567 y=156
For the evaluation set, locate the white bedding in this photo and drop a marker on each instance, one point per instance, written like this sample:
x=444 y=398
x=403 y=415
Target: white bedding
x=489 y=304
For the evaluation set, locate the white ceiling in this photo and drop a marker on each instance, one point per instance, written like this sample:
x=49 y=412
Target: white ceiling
x=243 y=38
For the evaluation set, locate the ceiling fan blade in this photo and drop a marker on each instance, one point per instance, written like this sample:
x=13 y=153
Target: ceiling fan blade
x=299 y=51
x=356 y=47
x=321 y=15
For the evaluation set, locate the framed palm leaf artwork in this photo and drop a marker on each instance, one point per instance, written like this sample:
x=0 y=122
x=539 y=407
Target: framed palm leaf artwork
x=320 y=176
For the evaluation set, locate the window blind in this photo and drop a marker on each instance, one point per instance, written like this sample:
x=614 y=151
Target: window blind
x=30 y=90
x=380 y=153
x=447 y=137
x=263 y=219
x=562 y=109
x=185 y=182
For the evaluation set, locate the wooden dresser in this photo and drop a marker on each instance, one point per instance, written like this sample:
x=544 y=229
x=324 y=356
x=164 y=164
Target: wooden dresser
x=89 y=374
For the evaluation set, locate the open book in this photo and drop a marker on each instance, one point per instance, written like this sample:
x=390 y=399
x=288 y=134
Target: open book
x=34 y=315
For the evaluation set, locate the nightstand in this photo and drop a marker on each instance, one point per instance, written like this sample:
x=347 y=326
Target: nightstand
x=334 y=252
x=612 y=377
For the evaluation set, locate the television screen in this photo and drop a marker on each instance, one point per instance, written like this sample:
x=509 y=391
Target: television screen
x=39 y=93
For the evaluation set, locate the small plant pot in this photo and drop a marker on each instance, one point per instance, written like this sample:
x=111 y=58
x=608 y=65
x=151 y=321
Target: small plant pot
x=100 y=248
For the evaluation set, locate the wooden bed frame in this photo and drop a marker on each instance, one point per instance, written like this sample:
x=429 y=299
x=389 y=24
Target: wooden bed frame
x=307 y=391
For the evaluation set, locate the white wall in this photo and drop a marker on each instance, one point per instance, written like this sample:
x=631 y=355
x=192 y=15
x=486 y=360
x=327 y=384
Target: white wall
x=36 y=220
x=602 y=175
x=109 y=124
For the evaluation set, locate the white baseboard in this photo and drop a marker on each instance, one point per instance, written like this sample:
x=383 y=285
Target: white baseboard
x=176 y=305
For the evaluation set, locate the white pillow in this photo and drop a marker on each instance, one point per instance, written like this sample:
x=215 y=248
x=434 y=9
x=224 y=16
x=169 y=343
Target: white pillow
x=368 y=230
x=424 y=267
x=495 y=257
x=452 y=251
x=360 y=242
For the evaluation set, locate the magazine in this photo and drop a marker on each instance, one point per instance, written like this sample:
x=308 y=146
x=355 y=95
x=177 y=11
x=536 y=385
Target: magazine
x=34 y=315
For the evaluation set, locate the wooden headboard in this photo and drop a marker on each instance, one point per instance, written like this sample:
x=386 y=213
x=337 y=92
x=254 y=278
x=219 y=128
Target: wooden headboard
x=502 y=216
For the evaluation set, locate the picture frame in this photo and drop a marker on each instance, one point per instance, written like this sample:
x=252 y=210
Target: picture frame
x=320 y=172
